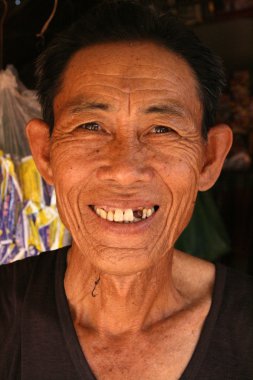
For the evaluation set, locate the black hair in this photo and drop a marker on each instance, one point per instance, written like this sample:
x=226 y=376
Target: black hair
x=126 y=20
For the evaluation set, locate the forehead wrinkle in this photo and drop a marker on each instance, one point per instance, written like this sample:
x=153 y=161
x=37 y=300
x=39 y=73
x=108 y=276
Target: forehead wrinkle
x=132 y=67
x=134 y=77
x=136 y=72
x=129 y=103
x=124 y=83
x=82 y=98
x=129 y=86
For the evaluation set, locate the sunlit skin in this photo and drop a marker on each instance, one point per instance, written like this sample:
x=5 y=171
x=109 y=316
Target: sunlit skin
x=127 y=134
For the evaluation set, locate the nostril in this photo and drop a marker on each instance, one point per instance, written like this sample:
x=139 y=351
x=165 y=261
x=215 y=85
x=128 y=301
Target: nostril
x=124 y=173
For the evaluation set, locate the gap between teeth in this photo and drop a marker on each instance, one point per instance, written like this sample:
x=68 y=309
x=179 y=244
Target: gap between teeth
x=123 y=216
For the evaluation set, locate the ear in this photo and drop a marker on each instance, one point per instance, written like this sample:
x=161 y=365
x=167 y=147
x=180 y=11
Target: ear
x=220 y=138
x=38 y=135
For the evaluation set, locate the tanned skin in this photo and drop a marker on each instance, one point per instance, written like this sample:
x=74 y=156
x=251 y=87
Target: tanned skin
x=127 y=134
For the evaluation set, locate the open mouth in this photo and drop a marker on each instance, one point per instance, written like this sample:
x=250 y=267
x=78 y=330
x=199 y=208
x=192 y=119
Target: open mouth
x=124 y=215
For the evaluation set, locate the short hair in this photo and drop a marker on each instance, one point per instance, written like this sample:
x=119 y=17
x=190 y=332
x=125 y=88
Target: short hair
x=126 y=20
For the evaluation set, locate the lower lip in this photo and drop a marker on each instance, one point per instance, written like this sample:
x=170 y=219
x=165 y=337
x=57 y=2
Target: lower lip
x=125 y=228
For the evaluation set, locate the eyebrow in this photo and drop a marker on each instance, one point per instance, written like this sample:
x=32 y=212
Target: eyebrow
x=166 y=109
x=78 y=107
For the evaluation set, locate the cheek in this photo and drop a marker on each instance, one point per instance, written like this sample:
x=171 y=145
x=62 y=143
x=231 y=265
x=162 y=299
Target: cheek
x=179 y=171
x=179 y=165
x=68 y=169
x=73 y=161
x=74 y=164
x=72 y=202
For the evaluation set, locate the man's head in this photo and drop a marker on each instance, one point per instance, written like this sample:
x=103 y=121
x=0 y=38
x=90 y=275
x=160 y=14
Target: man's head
x=129 y=21
x=127 y=154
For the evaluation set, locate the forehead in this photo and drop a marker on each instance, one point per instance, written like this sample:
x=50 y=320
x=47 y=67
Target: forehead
x=143 y=71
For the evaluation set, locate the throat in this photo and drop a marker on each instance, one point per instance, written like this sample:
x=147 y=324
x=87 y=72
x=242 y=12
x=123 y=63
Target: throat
x=118 y=305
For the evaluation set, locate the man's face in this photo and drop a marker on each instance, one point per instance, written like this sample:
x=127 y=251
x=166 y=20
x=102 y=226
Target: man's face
x=127 y=137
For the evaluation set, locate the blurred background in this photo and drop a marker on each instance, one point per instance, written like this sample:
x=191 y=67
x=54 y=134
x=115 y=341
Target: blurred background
x=222 y=225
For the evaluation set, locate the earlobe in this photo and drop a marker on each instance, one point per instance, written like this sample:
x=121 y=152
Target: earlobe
x=220 y=138
x=38 y=135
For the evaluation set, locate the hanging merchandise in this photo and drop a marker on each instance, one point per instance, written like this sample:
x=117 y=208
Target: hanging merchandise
x=29 y=221
x=17 y=106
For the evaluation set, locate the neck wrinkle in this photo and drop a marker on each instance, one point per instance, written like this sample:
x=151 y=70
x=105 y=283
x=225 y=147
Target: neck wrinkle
x=122 y=304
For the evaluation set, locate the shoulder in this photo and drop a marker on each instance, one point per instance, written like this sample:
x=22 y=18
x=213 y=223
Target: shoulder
x=16 y=277
x=200 y=277
x=14 y=274
x=232 y=335
x=17 y=280
x=227 y=335
x=193 y=276
x=238 y=282
x=237 y=294
x=22 y=268
x=21 y=283
x=226 y=344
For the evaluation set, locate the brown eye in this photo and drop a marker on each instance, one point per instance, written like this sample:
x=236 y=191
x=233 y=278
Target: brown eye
x=161 y=129
x=92 y=126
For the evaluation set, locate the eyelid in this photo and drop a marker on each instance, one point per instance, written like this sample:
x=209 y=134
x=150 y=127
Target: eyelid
x=100 y=130
x=89 y=123
x=162 y=126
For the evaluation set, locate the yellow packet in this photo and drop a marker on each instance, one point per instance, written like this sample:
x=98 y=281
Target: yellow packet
x=7 y=172
x=34 y=239
x=30 y=180
x=31 y=234
x=45 y=216
x=44 y=219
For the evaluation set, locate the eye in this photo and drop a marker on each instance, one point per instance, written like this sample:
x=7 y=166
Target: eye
x=161 y=129
x=91 y=126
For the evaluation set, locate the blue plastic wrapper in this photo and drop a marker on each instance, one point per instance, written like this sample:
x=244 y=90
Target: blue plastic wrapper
x=3 y=252
x=29 y=222
x=44 y=232
x=47 y=192
x=11 y=201
x=21 y=230
x=8 y=253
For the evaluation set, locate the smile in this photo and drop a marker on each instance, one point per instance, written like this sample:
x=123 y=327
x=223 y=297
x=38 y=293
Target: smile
x=124 y=216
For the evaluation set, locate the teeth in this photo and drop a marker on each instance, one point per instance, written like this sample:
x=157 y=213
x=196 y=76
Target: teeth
x=144 y=213
x=110 y=216
x=126 y=216
x=118 y=215
x=103 y=214
x=150 y=211
x=98 y=211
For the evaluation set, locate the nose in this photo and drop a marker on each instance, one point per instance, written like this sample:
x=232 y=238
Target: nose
x=126 y=166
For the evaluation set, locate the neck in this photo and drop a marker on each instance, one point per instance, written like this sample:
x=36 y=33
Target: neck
x=114 y=304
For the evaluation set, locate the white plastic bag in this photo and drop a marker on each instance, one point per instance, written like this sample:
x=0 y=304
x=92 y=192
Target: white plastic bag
x=17 y=106
x=29 y=221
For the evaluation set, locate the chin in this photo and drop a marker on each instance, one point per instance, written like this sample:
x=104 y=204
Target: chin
x=119 y=261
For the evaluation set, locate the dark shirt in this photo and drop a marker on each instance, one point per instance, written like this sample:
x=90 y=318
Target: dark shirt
x=38 y=340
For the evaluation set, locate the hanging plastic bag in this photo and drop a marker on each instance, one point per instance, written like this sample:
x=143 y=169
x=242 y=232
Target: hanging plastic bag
x=29 y=221
x=17 y=106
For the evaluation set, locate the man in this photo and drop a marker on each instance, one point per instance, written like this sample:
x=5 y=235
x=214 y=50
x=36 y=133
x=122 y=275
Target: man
x=128 y=139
